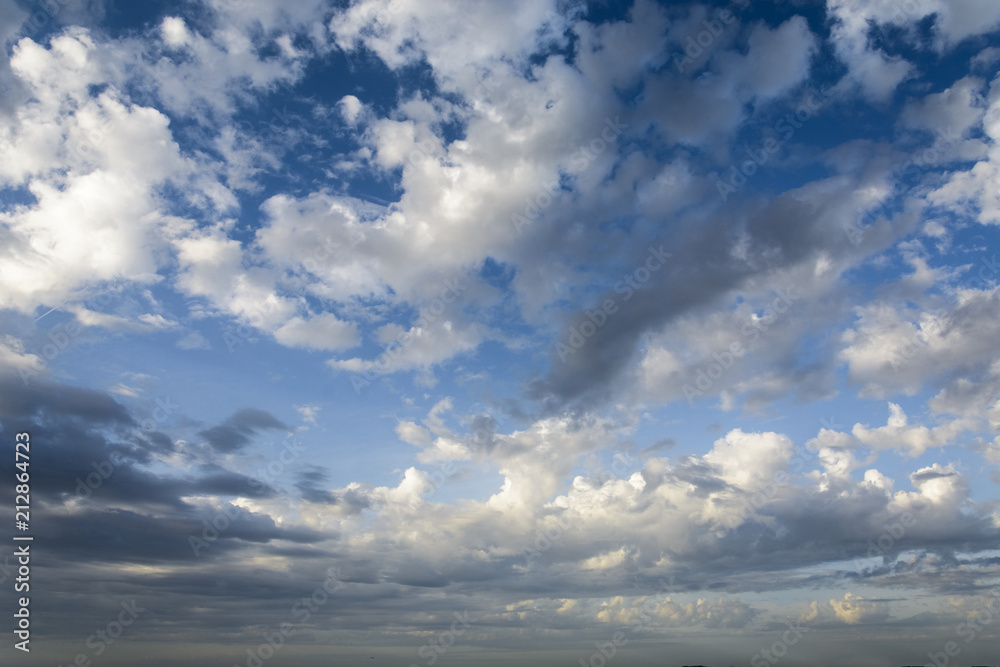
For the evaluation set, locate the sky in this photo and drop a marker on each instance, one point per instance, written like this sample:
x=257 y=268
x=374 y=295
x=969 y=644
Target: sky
x=522 y=332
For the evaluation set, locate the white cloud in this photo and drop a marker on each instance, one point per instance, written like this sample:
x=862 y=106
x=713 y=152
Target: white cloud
x=350 y=108
x=175 y=33
x=956 y=108
x=854 y=609
x=746 y=459
x=776 y=59
x=900 y=435
x=194 y=341
x=893 y=349
x=320 y=332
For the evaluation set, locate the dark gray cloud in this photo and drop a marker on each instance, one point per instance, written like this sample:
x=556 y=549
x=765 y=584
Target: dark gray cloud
x=713 y=258
x=310 y=483
x=42 y=398
x=236 y=431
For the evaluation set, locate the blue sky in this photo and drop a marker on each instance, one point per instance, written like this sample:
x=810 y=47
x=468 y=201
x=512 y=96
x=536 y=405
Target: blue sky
x=508 y=329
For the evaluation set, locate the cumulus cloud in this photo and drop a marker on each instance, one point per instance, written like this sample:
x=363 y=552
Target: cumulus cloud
x=853 y=609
